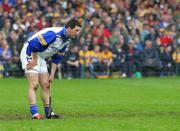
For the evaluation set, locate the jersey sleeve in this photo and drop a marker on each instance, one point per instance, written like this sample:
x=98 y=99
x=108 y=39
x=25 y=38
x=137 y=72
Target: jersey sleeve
x=41 y=41
x=57 y=58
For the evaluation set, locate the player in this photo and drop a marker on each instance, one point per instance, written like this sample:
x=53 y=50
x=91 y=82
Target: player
x=49 y=42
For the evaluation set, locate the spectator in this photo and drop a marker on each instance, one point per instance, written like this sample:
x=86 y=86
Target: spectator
x=106 y=58
x=72 y=62
x=82 y=60
x=119 y=57
x=165 y=39
x=89 y=69
x=176 y=58
x=42 y=23
x=130 y=59
x=139 y=47
x=5 y=56
x=6 y=29
x=167 y=61
x=114 y=38
x=151 y=60
x=15 y=48
x=96 y=61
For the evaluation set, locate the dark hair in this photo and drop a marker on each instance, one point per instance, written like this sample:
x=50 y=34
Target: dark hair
x=73 y=23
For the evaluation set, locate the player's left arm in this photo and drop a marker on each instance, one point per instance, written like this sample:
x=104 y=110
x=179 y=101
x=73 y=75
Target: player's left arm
x=53 y=71
x=56 y=59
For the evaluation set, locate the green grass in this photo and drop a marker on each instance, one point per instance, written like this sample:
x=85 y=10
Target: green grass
x=148 y=104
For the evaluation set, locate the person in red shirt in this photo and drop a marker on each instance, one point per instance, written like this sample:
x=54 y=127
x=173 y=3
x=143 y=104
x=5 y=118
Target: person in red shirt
x=165 y=39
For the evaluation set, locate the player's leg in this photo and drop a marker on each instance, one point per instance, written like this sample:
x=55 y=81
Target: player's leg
x=32 y=77
x=44 y=83
x=45 y=89
x=33 y=85
x=45 y=86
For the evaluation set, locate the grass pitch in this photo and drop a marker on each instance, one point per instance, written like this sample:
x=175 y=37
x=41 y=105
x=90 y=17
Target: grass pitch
x=147 y=104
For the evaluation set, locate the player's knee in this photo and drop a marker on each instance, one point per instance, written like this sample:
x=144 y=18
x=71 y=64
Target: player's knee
x=35 y=85
x=46 y=85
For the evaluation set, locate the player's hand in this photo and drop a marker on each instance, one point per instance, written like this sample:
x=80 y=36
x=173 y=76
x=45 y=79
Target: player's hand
x=51 y=78
x=31 y=64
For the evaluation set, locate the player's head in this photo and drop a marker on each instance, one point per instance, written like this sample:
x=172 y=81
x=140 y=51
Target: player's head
x=73 y=28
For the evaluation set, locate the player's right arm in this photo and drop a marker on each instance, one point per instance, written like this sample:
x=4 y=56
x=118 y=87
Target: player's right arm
x=33 y=62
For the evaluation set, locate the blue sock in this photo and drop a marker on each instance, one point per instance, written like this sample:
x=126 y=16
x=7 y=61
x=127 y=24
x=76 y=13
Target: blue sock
x=46 y=110
x=33 y=109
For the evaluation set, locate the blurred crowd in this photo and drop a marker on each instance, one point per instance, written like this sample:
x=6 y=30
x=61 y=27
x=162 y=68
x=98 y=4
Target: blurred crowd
x=127 y=38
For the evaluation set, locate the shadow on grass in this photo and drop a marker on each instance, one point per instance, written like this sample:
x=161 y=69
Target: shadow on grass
x=9 y=117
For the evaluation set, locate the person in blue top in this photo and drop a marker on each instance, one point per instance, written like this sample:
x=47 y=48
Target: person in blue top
x=49 y=42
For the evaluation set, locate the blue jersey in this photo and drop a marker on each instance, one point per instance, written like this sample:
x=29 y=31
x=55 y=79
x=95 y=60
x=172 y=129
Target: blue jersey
x=49 y=42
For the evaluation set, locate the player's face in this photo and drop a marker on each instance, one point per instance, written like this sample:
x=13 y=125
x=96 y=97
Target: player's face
x=74 y=32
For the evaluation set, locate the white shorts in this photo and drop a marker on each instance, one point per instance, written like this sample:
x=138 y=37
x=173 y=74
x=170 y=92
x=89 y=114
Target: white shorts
x=41 y=63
